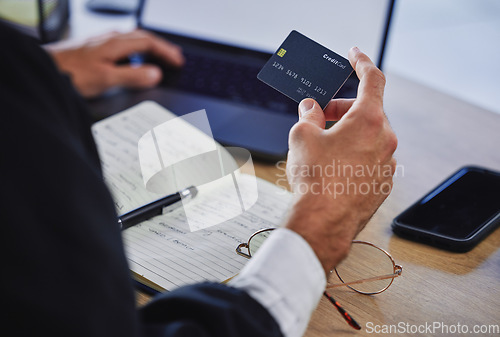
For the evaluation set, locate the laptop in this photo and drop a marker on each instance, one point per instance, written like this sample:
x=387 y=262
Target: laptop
x=227 y=42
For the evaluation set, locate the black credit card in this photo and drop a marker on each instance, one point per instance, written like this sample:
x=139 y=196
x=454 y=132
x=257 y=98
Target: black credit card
x=303 y=68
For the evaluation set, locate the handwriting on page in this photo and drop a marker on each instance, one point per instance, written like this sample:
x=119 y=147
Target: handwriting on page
x=166 y=145
x=165 y=250
x=117 y=138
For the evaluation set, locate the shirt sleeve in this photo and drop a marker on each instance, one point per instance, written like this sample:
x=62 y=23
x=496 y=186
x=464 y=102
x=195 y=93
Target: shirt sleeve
x=285 y=277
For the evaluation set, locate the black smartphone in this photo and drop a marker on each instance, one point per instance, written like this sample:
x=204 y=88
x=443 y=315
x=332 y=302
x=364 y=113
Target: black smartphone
x=457 y=214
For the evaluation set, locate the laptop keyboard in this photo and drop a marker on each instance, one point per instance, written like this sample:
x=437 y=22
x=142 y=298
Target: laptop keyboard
x=232 y=81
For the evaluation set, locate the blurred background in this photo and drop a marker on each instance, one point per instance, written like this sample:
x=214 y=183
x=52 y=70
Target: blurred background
x=448 y=45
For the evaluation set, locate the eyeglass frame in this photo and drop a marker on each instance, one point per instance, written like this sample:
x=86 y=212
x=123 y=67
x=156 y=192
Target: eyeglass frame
x=348 y=318
x=397 y=269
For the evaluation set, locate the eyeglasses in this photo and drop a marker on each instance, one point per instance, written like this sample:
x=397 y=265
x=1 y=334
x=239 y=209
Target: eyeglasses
x=367 y=269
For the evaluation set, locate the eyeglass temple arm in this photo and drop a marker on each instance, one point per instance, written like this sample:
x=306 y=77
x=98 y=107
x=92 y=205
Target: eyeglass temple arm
x=344 y=313
x=397 y=272
x=239 y=252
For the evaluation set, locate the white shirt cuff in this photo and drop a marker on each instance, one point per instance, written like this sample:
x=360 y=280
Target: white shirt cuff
x=286 y=277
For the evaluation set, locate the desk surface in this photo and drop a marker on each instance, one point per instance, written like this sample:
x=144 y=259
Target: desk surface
x=437 y=134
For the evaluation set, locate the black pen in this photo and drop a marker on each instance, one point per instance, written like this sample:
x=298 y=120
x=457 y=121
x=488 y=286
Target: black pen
x=155 y=208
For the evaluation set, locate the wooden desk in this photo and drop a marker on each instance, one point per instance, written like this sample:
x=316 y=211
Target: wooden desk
x=437 y=135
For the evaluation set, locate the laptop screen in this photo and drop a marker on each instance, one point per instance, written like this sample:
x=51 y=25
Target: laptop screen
x=263 y=24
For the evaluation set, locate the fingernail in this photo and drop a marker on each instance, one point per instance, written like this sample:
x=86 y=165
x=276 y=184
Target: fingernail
x=153 y=73
x=181 y=59
x=355 y=49
x=305 y=106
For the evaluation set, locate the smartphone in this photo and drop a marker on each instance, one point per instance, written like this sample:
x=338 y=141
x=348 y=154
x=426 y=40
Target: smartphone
x=457 y=214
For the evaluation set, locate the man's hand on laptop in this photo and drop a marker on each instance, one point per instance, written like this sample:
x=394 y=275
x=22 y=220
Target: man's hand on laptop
x=93 y=66
x=341 y=175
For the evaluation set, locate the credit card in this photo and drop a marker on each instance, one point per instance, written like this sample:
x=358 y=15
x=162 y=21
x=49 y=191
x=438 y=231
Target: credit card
x=303 y=68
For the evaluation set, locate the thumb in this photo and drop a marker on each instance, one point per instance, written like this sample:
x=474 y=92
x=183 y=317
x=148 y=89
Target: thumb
x=311 y=112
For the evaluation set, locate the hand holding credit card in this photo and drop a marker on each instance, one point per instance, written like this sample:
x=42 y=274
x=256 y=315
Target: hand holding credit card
x=302 y=68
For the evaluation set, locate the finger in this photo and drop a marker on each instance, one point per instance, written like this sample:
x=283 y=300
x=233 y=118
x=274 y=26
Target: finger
x=393 y=164
x=145 y=76
x=337 y=108
x=140 y=41
x=104 y=36
x=311 y=112
x=371 y=79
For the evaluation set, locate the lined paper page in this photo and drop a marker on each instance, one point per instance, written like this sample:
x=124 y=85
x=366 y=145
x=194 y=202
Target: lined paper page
x=117 y=138
x=164 y=249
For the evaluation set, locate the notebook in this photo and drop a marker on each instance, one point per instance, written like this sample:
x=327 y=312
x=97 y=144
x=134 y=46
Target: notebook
x=167 y=252
x=226 y=43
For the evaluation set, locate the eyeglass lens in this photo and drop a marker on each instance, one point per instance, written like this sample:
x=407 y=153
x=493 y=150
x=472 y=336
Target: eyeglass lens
x=257 y=240
x=364 y=262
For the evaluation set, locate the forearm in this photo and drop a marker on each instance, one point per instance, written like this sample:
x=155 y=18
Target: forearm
x=328 y=233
